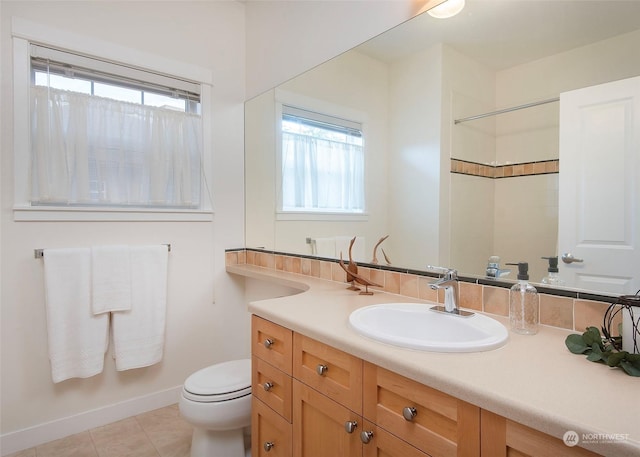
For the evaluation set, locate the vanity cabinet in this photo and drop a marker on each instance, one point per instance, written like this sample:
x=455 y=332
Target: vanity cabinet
x=313 y=400
x=327 y=399
x=384 y=444
x=323 y=427
x=437 y=423
x=502 y=437
x=271 y=387
x=330 y=371
x=272 y=343
x=270 y=432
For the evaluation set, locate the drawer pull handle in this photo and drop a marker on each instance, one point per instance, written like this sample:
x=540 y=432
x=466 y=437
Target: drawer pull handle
x=267 y=386
x=409 y=413
x=268 y=343
x=350 y=426
x=268 y=446
x=321 y=369
x=366 y=437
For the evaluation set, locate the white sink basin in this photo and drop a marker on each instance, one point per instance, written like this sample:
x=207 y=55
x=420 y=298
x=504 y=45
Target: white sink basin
x=416 y=326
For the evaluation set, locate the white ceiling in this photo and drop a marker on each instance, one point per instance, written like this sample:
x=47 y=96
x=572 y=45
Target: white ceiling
x=505 y=33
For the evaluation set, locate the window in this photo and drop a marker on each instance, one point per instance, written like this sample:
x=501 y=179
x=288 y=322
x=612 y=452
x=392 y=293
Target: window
x=169 y=94
x=104 y=134
x=322 y=163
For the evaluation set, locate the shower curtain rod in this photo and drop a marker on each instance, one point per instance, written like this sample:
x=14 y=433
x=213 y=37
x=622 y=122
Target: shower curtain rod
x=39 y=253
x=506 y=110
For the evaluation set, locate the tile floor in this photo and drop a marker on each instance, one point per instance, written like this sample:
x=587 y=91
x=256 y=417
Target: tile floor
x=158 y=433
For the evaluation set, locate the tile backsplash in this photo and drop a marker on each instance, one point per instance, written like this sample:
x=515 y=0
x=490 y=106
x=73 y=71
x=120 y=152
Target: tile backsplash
x=504 y=171
x=563 y=309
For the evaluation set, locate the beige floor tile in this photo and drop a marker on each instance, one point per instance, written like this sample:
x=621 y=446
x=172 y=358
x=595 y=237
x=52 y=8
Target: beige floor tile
x=26 y=453
x=79 y=445
x=124 y=438
x=177 y=448
x=158 y=433
x=169 y=433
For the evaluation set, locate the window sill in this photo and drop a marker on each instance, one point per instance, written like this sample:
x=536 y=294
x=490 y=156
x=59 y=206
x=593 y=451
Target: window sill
x=301 y=216
x=57 y=213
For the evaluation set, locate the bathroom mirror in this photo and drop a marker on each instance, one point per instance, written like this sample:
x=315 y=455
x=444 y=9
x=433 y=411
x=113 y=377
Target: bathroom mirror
x=448 y=190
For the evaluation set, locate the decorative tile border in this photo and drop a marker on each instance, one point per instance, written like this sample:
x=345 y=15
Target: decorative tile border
x=543 y=167
x=560 y=308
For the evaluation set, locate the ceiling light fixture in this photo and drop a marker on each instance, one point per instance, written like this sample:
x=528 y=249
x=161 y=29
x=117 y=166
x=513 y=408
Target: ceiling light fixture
x=447 y=9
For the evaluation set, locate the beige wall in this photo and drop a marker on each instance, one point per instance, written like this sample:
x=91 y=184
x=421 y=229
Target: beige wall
x=414 y=158
x=527 y=207
x=520 y=208
x=207 y=319
x=351 y=83
x=285 y=39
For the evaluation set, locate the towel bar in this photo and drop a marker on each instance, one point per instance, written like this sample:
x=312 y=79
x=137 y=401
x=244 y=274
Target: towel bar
x=39 y=253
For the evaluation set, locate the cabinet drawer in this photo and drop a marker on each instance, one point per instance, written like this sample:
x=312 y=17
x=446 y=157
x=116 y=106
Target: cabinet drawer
x=271 y=342
x=270 y=433
x=502 y=437
x=328 y=370
x=272 y=386
x=437 y=423
x=383 y=443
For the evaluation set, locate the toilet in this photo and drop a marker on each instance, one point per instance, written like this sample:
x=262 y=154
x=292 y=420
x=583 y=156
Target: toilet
x=216 y=401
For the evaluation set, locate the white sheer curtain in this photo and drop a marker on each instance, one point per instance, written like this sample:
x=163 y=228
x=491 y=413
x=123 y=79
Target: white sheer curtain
x=98 y=151
x=321 y=174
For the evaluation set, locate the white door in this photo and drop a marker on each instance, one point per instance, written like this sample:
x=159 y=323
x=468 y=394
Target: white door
x=599 y=187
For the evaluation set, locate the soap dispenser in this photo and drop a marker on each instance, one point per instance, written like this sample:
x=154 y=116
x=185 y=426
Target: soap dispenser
x=552 y=277
x=523 y=303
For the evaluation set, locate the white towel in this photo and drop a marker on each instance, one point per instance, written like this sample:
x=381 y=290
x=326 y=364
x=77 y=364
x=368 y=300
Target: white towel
x=78 y=340
x=110 y=279
x=138 y=334
x=326 y=247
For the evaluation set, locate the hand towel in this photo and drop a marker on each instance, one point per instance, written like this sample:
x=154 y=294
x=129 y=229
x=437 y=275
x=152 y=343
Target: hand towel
x=138 y=334
x=326 y=247
x=77 y=339
x=110 y=279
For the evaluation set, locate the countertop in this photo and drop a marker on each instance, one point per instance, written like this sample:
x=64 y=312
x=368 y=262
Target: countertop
x=533 y=380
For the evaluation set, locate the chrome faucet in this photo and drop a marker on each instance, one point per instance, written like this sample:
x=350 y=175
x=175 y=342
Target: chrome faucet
x=449 y=283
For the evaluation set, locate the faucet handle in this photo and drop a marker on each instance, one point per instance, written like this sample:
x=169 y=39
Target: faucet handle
x=449 y=273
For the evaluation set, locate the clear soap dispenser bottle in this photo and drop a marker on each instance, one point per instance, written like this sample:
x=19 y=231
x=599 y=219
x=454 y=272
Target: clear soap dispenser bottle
x=523 y=303
x=552 y=277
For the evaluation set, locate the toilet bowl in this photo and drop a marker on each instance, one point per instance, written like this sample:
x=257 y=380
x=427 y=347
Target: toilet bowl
x=216 y=400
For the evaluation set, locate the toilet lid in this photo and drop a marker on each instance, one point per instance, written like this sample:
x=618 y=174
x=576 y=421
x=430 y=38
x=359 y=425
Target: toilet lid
x=220 y=382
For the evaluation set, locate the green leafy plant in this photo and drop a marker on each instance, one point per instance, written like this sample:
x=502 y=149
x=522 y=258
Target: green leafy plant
x=601 y=351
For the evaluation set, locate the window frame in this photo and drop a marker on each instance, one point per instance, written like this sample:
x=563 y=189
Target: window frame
x=283 y=97
x=24 y=33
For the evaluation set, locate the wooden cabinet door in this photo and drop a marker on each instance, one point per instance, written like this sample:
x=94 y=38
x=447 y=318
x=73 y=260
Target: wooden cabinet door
x=383 y=444
x=319 y=426
x=502 y=437
x=328 y=370
x=270 y=433
x=437 y=423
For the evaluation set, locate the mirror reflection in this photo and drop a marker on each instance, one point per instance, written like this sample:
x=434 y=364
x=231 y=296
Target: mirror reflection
x=461 y=162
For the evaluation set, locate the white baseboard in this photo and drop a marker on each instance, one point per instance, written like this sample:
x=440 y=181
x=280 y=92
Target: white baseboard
x=60 y=428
